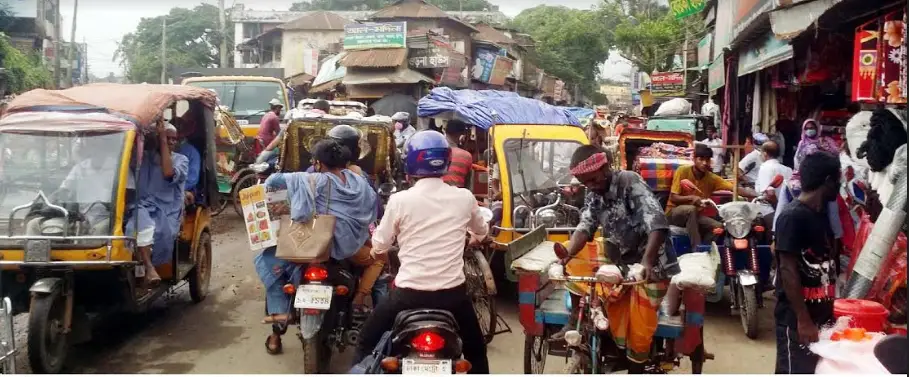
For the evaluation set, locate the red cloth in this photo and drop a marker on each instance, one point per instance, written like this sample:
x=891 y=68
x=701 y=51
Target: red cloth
x=891 y=60
x=865 y=62
x=461 y=161
x=591 y=164
x=269 y=128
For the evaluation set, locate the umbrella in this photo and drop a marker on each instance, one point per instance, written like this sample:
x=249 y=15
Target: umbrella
x=393 y=103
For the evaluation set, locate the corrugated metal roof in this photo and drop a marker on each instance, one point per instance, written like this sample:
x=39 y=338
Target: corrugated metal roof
x=415 y=9
x=375 y=58
x=490 y=34
x=317 y=21
x=325 y=87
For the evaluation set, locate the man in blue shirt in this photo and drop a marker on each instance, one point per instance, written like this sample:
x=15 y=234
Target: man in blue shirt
x=192 y=174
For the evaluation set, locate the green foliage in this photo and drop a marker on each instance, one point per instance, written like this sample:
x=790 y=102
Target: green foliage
x=571 y=43
x=352 y=5
x=193 y=40
x=24 y=72
x=647 y=34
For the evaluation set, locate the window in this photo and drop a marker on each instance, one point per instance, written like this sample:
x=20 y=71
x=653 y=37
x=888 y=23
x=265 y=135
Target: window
x=250 y=30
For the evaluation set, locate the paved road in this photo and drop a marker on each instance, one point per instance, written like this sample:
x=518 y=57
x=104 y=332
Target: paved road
x=223 y=334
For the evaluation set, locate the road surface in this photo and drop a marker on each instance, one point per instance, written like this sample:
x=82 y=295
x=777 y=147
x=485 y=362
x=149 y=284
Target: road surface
x=223 y=334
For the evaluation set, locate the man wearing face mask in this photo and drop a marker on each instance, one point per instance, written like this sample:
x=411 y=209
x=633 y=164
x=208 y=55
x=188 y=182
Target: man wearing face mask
x=403 y=129
x=805 y=256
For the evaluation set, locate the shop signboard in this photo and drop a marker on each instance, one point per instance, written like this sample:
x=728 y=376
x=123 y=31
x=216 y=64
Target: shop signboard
x=722 y=33
x=716 y=75
x=667 y=84
x=704 y=56
x=432 y=57
x=375 y=35
x=500 y=70
x=764 y=52
x=456 y=73
x=684 y=8
x=746 y=12
x=483 y=64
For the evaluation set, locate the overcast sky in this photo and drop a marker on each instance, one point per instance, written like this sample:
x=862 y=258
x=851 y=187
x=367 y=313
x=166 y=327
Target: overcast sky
x=101 y=23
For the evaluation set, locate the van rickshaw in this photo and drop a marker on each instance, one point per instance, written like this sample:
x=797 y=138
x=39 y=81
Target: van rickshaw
x=528 y=138
x=66 y=272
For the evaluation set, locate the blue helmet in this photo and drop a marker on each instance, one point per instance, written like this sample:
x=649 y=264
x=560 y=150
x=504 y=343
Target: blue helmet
x=427 y=154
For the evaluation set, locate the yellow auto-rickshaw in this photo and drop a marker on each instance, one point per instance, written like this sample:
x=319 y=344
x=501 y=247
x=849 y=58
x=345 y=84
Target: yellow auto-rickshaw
x=65 y=255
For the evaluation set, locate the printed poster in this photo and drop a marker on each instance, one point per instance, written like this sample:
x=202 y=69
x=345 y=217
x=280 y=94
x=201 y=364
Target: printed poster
x=259 y=228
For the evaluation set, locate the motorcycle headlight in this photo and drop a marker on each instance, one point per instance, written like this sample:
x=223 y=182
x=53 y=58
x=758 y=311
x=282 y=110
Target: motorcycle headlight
x=738 y=228
x=547 y=218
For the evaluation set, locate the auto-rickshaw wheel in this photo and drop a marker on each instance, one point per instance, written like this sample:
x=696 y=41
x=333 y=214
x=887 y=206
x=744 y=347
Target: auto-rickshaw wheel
x=244 y=182
x=200 y=276
x=220 y=205
x=47 y=346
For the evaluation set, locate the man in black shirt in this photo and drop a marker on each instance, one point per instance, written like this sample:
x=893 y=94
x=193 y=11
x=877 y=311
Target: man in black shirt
x=804 y=252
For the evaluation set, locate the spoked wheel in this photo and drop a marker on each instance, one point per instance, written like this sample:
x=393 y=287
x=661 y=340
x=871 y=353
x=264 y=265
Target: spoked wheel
x=200 y=277
x=748 y=309
x=243 y=183
x=47 y=346
x=536 y=349
x=484 y=303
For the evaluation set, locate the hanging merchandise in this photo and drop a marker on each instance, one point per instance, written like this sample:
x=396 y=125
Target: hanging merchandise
x=865 y=62
x=893 y=59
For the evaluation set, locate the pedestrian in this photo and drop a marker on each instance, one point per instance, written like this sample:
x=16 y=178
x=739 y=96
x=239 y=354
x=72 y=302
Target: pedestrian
x=805 y=256
x=750 y=165
x=812 y=141
x=461 y=160
x=715 y=142
x=769 y=170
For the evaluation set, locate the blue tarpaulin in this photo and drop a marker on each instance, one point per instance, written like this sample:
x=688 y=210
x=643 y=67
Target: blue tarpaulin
x=579 y=112
x=484 y=108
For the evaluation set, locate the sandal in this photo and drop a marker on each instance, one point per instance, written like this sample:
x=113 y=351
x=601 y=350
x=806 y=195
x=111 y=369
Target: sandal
x=273 y=347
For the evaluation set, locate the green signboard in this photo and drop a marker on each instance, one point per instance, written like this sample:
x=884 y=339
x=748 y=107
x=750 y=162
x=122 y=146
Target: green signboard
x=375 y=35
x=685 y=8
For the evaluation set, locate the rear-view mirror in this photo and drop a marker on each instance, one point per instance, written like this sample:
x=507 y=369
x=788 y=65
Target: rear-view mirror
x=560 y=251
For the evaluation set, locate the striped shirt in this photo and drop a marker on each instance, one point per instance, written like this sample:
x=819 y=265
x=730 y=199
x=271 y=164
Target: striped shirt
x=461 y=162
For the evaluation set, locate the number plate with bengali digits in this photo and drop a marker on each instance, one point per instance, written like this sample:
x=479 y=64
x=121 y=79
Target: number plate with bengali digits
x=313 y=297
x=420 y=366
x=37 y=251
x=748 y=279
x=242 y=122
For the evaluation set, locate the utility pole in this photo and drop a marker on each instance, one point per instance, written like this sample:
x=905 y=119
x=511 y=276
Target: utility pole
x=72 y=47
x=222 y=24
x=57 y=44
x=164 y=51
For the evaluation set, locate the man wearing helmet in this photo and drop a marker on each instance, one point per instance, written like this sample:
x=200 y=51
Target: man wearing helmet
x=403 y=129
x=429 y=222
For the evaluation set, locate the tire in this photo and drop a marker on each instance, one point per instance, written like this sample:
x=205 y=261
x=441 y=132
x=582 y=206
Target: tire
x=244 y=182
x=200 y=277
x=575 y=364
x=484 y=304
x=536 y=349
x=220 y=205
x=748 y=310
x=316 y=355
x=47 y=346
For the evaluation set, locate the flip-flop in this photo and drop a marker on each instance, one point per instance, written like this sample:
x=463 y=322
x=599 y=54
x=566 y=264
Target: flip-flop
x=278 y=347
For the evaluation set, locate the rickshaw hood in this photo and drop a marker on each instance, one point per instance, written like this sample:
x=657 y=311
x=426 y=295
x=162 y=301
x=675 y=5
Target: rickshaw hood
x=485 y=108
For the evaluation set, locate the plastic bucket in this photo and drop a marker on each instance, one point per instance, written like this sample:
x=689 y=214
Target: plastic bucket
x=869 y=315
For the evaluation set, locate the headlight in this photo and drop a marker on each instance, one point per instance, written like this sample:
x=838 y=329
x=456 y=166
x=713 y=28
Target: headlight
x=547 y=218
x=259 y=168
x=738 y=228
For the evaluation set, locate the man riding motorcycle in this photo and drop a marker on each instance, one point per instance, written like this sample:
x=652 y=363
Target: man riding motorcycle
x=429 y=222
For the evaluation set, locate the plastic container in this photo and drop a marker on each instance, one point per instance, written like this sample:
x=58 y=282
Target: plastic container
x=869 y=315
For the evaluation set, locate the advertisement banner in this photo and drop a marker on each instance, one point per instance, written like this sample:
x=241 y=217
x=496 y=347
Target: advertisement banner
x=500 y=70
x=259 y=228
x=311 y=61
x=375 y=35
x=484 y=64
x=684 y=8
x=432 y=57
x=667 y=84
x=764 y=52
x=704 y=56
x=456 y=73
x=716 y=74
x=746 y=12
x=723 y=31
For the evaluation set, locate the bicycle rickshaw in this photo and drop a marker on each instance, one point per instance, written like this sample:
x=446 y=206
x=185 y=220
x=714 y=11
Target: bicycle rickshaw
x=525 y=136
x=69 y=273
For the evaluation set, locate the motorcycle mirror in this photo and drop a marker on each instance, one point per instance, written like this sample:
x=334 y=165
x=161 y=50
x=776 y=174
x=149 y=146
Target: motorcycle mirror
x=560 y=251
x=777 y=181
x=690 y=187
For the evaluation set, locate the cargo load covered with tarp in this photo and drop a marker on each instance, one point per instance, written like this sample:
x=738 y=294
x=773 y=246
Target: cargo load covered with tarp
x=485 y=108
x=141 y=104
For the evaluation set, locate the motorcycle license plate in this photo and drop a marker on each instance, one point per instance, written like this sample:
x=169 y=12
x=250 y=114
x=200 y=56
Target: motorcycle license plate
x=313 y=297
x=748 y=279
x=419 y=366
x=242 y=122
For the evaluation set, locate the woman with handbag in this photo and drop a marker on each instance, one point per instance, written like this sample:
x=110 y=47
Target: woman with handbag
x=333 y=200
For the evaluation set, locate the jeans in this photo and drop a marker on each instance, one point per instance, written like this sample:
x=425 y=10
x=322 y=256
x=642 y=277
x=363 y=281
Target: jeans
x=454 y=300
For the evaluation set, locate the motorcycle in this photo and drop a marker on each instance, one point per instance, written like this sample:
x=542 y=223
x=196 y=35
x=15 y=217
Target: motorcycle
x=746 y=256
x=422 y=341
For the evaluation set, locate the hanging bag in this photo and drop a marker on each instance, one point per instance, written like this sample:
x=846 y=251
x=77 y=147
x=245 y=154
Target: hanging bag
x=310 y=241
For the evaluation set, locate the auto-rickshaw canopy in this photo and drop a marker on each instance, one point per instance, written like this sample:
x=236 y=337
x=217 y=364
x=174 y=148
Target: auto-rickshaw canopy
x=141 y=104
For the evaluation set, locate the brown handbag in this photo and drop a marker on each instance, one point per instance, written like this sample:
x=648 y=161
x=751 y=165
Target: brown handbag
x=307 y=242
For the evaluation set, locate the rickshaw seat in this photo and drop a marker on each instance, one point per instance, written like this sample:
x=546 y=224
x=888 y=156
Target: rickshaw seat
x=666 y=329
x=555 y=309
x=678 y=230
x=537 y=259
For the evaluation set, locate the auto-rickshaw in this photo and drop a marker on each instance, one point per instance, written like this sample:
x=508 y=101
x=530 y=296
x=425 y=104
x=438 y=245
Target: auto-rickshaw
x=69 y=272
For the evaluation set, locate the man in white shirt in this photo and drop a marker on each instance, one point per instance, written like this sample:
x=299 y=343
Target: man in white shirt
x=715 y=143
x=768 y=170
x=430 y=222
x=750 y=165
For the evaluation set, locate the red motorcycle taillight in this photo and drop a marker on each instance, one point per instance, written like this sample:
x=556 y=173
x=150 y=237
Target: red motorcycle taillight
x=315 y=273
x=427 y=341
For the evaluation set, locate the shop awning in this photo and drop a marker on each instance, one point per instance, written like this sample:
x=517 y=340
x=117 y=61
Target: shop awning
x=402 y=75
x=788 y=23
x=764 y=52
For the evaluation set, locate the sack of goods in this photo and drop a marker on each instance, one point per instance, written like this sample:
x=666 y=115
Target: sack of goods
x=675 y=106
x=698 y=270
x=847 y=350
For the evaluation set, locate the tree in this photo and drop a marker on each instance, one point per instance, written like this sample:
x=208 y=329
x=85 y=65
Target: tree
x=193 y=40
x=22 y=71
x=570 y=43
x=647 y=34
x=353 y=5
